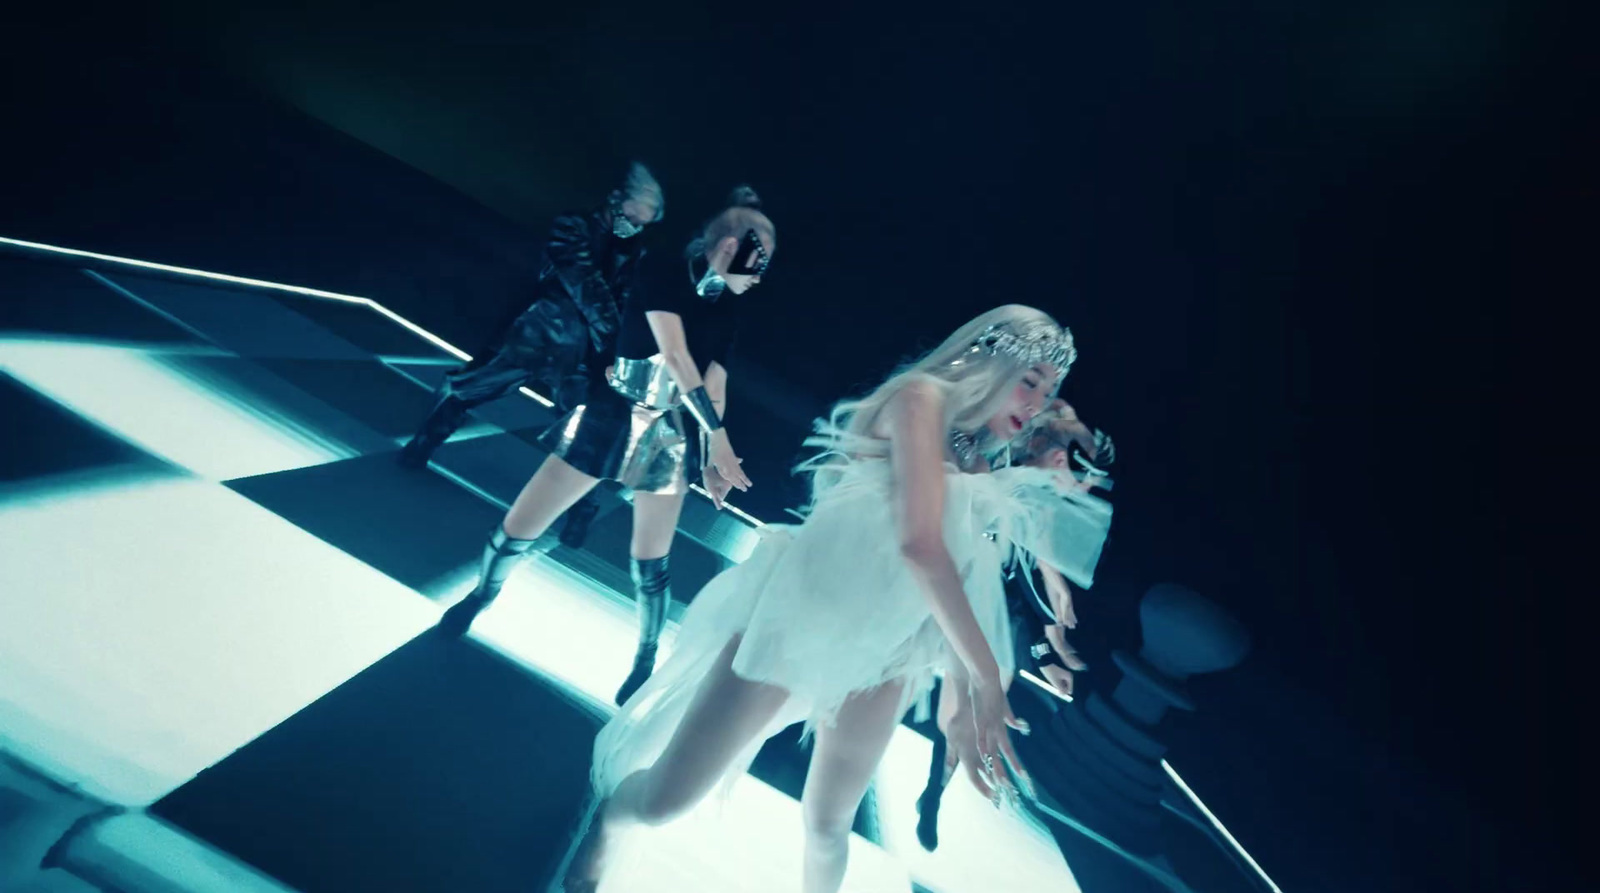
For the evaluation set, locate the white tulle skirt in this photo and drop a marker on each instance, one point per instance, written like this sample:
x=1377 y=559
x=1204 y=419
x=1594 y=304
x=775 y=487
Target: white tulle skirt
x=829 y=607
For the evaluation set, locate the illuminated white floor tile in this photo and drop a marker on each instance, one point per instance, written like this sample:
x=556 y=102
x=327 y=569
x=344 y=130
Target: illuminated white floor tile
x=980 y=847
x=148 y=631
x=753 y=841
x=151 y=404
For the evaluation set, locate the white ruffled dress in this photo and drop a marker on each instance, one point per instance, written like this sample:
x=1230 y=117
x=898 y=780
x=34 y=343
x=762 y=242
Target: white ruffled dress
x=830 y=607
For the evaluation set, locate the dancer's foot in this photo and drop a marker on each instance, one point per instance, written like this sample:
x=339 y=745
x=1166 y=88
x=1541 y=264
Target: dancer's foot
x=500 y=556
x=644 y=663
x=928 y=819
x=458 y=619
x=412 y=457
x=446 y=417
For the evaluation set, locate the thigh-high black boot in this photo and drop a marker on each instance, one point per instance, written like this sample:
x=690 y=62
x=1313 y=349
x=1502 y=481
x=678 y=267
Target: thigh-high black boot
x=500 y=557
x=652 y=588
x=446 y=417
x=463 y=390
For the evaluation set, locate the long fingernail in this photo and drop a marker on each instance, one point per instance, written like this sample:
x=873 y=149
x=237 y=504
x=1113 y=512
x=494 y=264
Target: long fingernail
x=1023 y=727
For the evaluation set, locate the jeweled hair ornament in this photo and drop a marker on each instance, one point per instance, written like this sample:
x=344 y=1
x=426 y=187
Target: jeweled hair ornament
x=1030 y=343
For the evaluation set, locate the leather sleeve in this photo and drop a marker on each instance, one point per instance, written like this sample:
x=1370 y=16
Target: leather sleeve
x=572 y=260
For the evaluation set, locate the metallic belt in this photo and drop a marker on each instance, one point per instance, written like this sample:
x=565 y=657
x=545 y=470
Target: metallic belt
x=646 y=382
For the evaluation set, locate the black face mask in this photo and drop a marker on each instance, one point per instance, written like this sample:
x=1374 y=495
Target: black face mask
x=751 y=258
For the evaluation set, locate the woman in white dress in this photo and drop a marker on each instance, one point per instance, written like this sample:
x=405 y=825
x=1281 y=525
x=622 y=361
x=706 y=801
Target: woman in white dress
x=843 y=621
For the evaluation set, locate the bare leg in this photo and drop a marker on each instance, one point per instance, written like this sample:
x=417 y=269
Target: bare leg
x=842 y=764
x=726 y=714
x=552 y=490
x=554 y=487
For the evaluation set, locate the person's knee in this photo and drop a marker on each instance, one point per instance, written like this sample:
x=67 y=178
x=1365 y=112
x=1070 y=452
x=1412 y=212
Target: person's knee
x=830 y=824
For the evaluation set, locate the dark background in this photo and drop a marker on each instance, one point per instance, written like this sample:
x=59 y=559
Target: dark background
x=1304 y=247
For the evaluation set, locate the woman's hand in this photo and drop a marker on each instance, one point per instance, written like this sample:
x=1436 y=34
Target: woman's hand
x=992 y=721
x=1059 y=678
x=723 y=460
x=961 y=737
x=717 y=486
x=1056 y=635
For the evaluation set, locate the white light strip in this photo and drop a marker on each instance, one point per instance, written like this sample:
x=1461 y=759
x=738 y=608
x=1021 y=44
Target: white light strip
x=426 y=335
x=168 y=268
x=737 y=512
x=1217 y=824
x=538 y=396
x=1165 y=878
x=1188 y=792
x=419 y=331
x=1044 y=685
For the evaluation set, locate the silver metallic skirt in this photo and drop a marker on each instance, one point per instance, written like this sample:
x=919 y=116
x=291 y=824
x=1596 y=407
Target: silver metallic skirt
x=628 y=430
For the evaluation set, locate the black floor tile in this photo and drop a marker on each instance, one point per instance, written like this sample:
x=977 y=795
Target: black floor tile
x=441 y=768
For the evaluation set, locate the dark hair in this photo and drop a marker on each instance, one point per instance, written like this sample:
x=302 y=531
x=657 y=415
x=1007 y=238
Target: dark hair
x=744 y=196
x=742 y=212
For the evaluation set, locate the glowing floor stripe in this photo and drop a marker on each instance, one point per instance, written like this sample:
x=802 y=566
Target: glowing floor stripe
x=980 y=848
x=1217 y=824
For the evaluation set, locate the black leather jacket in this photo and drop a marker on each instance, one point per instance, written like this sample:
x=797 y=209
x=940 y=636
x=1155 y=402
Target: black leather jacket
x=1029 y=614
x=571 y=326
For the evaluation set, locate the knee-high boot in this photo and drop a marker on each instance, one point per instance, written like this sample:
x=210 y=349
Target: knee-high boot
x=446 y=417
x=500 y=557
x=652 y=587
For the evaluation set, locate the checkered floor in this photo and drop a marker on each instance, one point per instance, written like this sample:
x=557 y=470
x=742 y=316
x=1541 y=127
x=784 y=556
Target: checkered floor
x=203 y=532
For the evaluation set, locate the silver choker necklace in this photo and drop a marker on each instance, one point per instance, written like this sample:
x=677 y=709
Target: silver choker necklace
x=969 y=448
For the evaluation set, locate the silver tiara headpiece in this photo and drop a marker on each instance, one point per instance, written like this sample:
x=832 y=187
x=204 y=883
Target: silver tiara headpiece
x=1030 y=344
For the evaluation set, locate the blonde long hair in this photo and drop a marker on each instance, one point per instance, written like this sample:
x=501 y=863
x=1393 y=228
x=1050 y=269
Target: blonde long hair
x=974 y=390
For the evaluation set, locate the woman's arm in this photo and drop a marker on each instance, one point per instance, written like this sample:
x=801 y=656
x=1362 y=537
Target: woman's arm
x=674 y=347
x=716 y=379
x=1060 y=596
x=916 y=437
x=716 y=485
